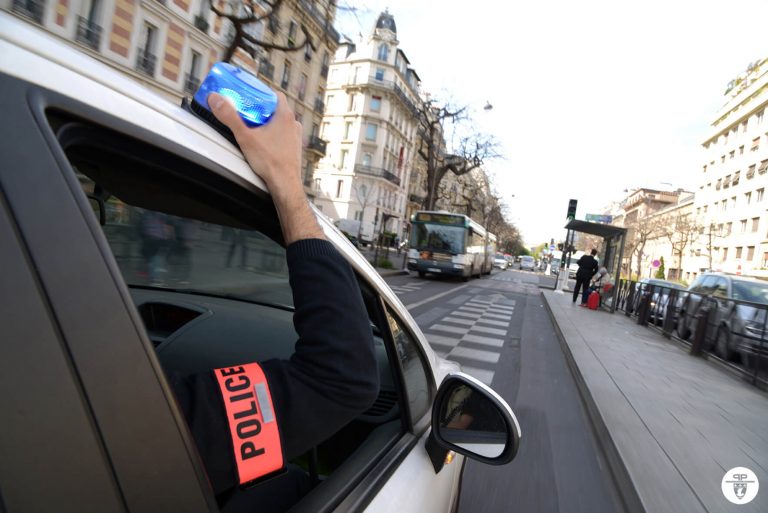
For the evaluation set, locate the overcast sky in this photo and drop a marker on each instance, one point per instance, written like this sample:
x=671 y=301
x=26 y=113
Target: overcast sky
x=589 y=98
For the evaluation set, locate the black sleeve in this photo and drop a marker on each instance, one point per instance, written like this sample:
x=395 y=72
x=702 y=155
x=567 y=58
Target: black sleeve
x=330 y=379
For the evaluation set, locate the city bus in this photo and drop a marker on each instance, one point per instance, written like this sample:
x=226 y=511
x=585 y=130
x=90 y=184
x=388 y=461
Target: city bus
x=449 y=244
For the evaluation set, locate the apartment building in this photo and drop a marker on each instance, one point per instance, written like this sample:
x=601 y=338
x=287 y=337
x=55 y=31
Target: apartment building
x=730 y=200
x=370 y=123
x=169 y=46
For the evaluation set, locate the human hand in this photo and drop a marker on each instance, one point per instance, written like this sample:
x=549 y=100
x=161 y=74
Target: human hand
x=273 y=150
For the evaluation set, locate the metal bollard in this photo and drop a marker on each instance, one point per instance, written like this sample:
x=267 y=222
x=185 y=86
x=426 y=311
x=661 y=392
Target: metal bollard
x=697 y=342
x=644 y=310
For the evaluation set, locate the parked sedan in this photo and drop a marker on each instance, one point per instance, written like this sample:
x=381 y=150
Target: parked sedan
x=500 y=261
x=739 y=318
x=527 y=263
x=659 y=298
x=138 y=244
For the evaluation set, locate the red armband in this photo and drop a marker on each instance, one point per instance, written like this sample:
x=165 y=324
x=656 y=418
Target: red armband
x=252 y=423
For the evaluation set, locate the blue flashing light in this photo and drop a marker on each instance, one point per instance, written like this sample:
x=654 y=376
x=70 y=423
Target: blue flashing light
x=254 y=101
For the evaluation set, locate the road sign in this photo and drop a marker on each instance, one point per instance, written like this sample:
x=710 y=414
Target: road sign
x=656 y=263
x=599 y=218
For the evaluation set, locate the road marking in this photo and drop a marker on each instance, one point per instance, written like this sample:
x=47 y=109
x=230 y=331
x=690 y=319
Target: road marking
x=495 y=342
x=439 y=339
x=455 y=320
x=467 y=314
x=474 y=354
x=483 y=375
x=472 y=309
x=497 y=316
x=494 y=323
x=490 y=331
x=449 y=329
x=499 y=310
x=437 y=296
x=482 y=301
x=475 y=304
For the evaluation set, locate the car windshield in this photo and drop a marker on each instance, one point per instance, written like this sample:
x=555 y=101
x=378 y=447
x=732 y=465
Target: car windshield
x=437 y=237
x=527 y=259
x=754 y=292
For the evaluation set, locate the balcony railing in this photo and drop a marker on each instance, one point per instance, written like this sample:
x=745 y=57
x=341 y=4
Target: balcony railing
x=201 y=23
x=191 y=83
x=88 y=32
x=320 y=18
x=415 y=198
x=32 y=9
x=319 y=106
x=145 y=62
x=267 y=69
x=377 y=172
x=317 y=144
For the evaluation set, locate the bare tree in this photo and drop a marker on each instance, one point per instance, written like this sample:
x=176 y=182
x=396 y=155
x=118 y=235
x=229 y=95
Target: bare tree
x=243 y=14
x=681 y=230
x=638 y=234
x=364 y=194
x=470 y=152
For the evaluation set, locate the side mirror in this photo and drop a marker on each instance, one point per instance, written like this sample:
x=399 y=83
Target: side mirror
x=469 y=418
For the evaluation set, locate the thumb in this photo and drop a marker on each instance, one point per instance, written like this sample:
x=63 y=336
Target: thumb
x=225 y=112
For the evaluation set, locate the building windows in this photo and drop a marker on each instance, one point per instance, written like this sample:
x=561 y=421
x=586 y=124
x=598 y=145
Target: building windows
x=318 y=182
x=376 y=103
x=741 y=150
x=764 y=263
x=738 y=252
x=379 y=74
x=725 y=254
x=303 y=86
x=292 y=28
x=286 y=75
x=733 y=202
x=760 y=116
x=751 y=171
x=358 y=215
x=370 y=131
x=339 y=188
x=705 y=168
x=728 y=228
x=750 y=253
x=343 y=159
x=146 y=59
x=763 y=167
x=329 y=102
x=732 y=154
x=722 y=159
x=760 y=195
x=743 y=127
x=743 y=224
x=748 y=197
x=706 y=207
x=347 y=130
x=191 y=80
x=367 y=158
x=383 y=52
x=324 y=129
x=755 y=144
x=351 y=103
x=755 y=224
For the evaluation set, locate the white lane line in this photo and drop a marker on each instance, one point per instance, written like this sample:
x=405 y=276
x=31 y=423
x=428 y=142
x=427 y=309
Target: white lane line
x=436 y=296
x=495 y=342
x=503 y=324
x=483 y=375
x=439 y=339
x=456 y=320
x=467 y=314
x=497 y=316
x=449 y=329
x=471 y=309
x=490 y=331
x=493 y=309
x=474 y=354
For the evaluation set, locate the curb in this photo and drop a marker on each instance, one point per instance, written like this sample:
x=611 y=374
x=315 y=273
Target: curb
x=389 y=272
x=626 y=488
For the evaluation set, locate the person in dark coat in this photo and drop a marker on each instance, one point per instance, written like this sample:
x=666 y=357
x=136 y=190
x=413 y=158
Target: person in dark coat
x=587 y=269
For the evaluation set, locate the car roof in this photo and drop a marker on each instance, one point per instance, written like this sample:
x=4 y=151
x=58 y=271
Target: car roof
x=36 y=56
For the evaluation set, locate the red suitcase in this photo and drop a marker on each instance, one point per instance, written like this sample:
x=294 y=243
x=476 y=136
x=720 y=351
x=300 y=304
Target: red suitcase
x=593 y=301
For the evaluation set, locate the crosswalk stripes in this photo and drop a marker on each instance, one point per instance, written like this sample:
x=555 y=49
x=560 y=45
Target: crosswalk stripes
x=474 y=331
x=408 y=287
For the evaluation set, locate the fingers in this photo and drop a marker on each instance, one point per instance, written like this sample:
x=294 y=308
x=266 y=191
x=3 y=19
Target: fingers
x=225 y=112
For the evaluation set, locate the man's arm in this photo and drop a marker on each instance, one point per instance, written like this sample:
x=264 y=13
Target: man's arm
x=333 y=375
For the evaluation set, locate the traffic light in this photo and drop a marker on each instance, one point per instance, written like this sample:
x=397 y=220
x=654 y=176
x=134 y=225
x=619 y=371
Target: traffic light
x=571 y=209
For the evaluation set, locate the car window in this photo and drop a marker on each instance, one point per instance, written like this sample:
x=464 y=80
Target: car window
x=707 y=285
x=415 y=375
x=721 y=288
x=205 y=267
x=750 y=291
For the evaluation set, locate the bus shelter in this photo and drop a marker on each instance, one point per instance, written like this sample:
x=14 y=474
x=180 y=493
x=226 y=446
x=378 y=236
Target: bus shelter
x=611 y=254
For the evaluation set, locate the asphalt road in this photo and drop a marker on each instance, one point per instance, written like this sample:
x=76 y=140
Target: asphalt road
x=498 y=329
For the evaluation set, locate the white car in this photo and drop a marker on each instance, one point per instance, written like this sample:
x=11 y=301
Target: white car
x=500 y=261
x=99 y=313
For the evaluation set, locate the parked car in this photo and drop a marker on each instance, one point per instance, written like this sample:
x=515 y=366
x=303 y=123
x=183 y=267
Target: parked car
x=90 y=325
x=660 y=297
x=527 y=263
x=500 y=261
x=739 y=318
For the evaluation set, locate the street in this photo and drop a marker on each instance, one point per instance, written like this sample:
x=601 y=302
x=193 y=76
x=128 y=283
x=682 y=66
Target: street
x=499 y=331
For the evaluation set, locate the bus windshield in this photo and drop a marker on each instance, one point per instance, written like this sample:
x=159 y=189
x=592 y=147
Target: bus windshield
x=438 y=237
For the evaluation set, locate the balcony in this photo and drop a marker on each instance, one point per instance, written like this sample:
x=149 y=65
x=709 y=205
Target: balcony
x=32 y=9
x=408 y=103
x=415 y=198
x=377 y=172
x=317 y=145
x=145 y=62
x=319 y=106
x=191 y=83
x=88 y=32
x=320 y=18
x=201 y=23
x=267 y=70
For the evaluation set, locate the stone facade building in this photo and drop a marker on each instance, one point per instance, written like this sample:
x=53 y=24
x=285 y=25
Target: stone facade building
x=370 y=123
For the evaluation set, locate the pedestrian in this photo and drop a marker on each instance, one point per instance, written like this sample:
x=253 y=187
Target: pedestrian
x=587 y=268
x=602 y=283
x=249 y=419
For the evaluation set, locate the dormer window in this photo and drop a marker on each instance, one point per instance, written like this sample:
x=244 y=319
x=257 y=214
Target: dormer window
x=383 y=52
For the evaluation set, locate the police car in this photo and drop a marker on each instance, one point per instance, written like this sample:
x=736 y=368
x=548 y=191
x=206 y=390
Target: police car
x=136 y=241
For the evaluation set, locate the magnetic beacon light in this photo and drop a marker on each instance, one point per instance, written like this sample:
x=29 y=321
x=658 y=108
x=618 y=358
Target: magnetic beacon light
x=254 y=101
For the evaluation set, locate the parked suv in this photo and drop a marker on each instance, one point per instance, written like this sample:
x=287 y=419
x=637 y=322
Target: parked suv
x=739 y=318
x=137 y=244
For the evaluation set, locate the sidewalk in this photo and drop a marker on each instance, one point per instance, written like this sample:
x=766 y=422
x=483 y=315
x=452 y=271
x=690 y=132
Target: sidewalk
x=671 y=424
